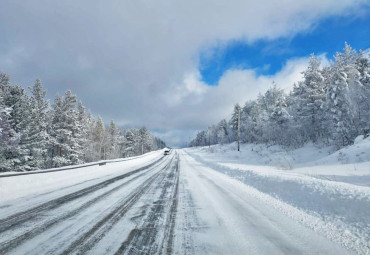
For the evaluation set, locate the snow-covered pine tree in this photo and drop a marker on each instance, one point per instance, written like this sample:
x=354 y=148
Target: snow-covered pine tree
x=99 y=139
x=310 y=96
x=233 y=123
x=362 y=94
x=113 y=141
x=270 y=106
x=335 y=117
x=297 y=132
x=6 y=132
x=158 y=144
x=223 y=131
x=89 y=149
x=338 y=97
x=83 y=126
x=145 y=139
x=16 y=100
x=38 y=138
x=65 y=131
x=200 y=139
x=213 y=134
x=130 y=143
x=279 y=120
x=247 y=123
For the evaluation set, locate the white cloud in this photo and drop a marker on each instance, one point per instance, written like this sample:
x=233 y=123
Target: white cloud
x=235 y=86
x=136 y=61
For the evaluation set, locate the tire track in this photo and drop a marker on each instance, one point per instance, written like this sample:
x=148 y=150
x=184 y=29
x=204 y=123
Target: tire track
x=144 y=239
x=15 y=220
x=20 y=217
x=97 y=232
x=167 y=244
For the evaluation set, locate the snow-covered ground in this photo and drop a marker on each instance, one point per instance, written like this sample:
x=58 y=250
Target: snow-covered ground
x=262 y=200
x=70 y=211
x=34 y=185
x=327 y=192
x=220 y=215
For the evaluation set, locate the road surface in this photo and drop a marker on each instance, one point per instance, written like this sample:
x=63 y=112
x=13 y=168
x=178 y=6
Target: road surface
x=169 y=205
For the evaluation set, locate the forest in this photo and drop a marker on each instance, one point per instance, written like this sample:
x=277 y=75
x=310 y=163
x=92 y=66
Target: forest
x=329 y=106
x=35 y=134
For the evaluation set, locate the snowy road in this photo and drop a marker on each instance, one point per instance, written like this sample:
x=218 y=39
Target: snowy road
x=164 y=205
x=219 y=215
x=120 y=214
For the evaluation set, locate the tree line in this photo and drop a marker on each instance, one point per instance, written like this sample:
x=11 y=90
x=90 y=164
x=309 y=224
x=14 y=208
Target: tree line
x=331 y=105
x=37 y=135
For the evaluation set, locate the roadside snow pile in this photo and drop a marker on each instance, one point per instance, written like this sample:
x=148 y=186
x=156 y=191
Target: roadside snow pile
x=357 y=153
x=309 y=159
x=79 y=166
x=39 y=185
x=260 y=154
x=333 y=187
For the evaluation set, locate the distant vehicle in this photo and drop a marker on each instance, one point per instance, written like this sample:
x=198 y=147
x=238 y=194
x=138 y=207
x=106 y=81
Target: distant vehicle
x=166 y=152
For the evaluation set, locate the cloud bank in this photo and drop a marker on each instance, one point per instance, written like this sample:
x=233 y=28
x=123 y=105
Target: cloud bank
x=137 y=61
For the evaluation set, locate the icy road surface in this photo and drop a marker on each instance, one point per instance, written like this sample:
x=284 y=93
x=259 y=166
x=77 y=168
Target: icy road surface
x=152 y=205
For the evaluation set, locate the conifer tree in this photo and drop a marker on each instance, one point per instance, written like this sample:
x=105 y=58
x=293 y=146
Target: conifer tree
x=66 y=149
x=6 y=132
x=35 y=136
x=233 y=123
x=99 y=139
x=222 y=131
x=130 y=143
x=17 y=102
x=38 y=139
x=338 y=99
x=113 y=143
x=310 y=98
x=145 y=140
x=362 y=94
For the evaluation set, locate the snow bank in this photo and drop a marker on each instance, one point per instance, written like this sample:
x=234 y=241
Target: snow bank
x=34 y=185
x=97 y=163
x=334 y=187
x=357 y=153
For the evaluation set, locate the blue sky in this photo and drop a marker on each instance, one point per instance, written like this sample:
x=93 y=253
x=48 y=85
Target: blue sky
x=268 y=57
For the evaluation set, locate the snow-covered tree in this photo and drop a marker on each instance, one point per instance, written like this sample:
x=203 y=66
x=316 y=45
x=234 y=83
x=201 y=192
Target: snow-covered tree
x=330 y=105
x=82 y=120
x=200 y=139
x=89 y=148
x=158 y=144
x=34 y=136
x=361 y=95
x=338 y=96
x=233 y=123
x=66 y=149
x=223 y=131
x=309 y=98
x=113 y=141
x=145 y=139
x=271 y=110
x=6 y=132
x=17 y=102
x=99 y=138
x=130 y=143
x=38 y=139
